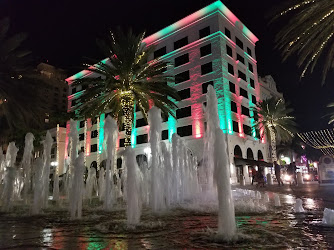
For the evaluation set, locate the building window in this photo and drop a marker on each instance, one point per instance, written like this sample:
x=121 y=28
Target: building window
x=121 y=143
x=205 y=50
x=82 y=124
x=204 y=32
x=181 y=77
x=242 y=75
x=73 y=102
x=252 y=83
x=164 y=117
x=180 y=43
x=235 y=126
x=141 y=122
x=229 y=51
x=247 y=130
x=183 y=112
x=184 y=94
x=142 y=139
x=81 y=137
x=74 y=90
x=245 y=111
x=230 y=69
x=239 y=43
x=164 y=134
x=93 y=148
x=228 y=33
x=250 y=67
x=249 y=52
x=205 y=86
x=93 y=134
x=232 y=87
x=181 y=60
x=160 y=52
x=243 y=92
x=185 y=130
x=240 y=58
x=253 y=99
x=206 y=68
x=82 y=149
x=234 y=107
x=94 y=121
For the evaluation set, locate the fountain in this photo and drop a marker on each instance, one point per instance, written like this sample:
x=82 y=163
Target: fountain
x=91 y=184
x=299 y=206
x=328 y=217
x=226 y=216
x=26 y=164
x=47 y=144
x=10 y=174
x=277 y=200
x=38 y=187
x=76 y=191
x=134 y=180
x=157 y=201
x=266 y=198
x=111 y=133
x=212 y=118
x=168 y=168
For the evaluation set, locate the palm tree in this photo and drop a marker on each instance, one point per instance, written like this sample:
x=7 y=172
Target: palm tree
x=308 y=34
x=18 y=102
x=273 y=118
x=125 y=80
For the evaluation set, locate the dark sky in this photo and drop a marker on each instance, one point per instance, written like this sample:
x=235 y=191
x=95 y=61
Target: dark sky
x=63 y=32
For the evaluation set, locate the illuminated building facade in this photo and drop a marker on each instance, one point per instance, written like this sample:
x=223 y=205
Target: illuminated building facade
x=208 y=47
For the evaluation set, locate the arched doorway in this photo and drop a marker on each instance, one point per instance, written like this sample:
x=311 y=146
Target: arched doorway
x=239 y=169
x=250 y=154
x=259 y=155
x=237 y=152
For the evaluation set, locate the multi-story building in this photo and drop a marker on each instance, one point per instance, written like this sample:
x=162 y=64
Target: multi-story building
x=209 y=47
x=54 y=94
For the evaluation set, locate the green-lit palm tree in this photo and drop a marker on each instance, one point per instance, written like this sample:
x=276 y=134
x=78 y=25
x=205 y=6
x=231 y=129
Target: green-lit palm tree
x=18 y=102
x=309 y=33
x=127 y=78
x=273 y=118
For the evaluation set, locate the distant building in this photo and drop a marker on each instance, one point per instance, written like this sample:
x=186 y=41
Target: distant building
x=54 y=95
x=268 y=88
x=209 y=47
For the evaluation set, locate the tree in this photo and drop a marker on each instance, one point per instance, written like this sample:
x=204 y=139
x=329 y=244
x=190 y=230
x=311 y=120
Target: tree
x=273 y=118
x=308 y=34
x=125 y=80
x=18 y=102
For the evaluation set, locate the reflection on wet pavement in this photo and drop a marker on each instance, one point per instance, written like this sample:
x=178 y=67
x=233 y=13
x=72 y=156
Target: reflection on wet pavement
x=278 y=228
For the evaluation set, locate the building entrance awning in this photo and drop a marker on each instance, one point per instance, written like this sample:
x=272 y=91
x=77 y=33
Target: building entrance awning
x=250 y=162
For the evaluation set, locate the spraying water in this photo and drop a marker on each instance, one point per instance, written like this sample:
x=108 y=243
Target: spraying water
x=9 y=180
x=175 y=174
x=76 y=192
x=168 y=169
x=26 y=164
x=38 y=187
x=111 y=133
x=46 y=168
x=299 y=206
x=74 y=141
x=134 y=180
x=157 y=192
x=212 y=118
x=91 y=184
x=226 y=215
x=277 y=200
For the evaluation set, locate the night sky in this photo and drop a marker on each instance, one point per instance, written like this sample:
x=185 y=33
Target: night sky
x=63 y=32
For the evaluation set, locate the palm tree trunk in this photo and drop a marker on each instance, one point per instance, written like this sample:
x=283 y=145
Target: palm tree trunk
x=127 y=104
x=273 y=144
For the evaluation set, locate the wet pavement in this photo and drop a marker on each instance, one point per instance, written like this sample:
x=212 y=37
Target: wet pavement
x=278 y=228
